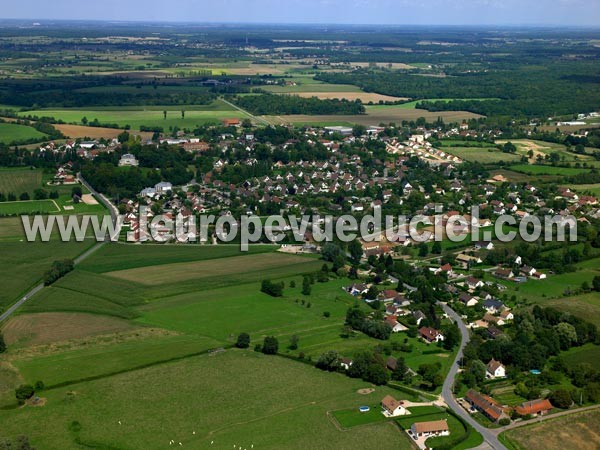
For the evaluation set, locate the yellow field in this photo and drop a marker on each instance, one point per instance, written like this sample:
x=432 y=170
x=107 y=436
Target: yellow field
x=44 y=328
x=576 y=431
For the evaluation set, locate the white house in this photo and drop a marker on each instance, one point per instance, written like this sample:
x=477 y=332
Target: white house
x=128 y=160
x=390 y=407
x=495 y=369
x=163 y=186
x=394 y=324
x=433 y=428
x=345 y=363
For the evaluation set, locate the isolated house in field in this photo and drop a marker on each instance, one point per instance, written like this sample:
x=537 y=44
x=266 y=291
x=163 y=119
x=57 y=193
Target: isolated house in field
x=431 y=334
x=495 y=369
x=534 y=407
x=485 y=405
x=390 y=407
x=427 y=429
x=345 y=363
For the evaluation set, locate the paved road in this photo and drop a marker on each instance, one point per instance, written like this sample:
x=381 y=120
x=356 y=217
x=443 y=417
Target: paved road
x=490 y=436
x=113 y=212
x=250 y=115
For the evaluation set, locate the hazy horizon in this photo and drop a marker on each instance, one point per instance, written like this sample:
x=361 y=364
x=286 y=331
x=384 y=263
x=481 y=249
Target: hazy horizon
x=552 y=13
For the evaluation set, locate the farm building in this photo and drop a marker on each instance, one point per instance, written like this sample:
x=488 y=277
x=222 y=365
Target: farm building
x=485 y=405
x=533 y=407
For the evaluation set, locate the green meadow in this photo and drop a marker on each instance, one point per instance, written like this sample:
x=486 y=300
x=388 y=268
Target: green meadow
x=12 y=132
x=236 y=398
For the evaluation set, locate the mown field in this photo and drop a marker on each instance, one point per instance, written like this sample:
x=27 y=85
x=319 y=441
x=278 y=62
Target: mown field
x=238 y=398
x=12 y=132
x=577 y=431
x=537 y=169
x=150 y=117
x=483 y=155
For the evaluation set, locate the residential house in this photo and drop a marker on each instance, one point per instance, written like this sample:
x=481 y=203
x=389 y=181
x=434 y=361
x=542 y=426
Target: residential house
x=345 y=363
x=432 y=428
x=431 y=334
x=493 y=305
x=495 y=369
x=390 y=407
x=396 y=326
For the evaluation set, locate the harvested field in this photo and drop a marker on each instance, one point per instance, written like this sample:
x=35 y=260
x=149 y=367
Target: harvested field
x=364 y=97
x=374 y=117
x=580 y=431
x=172 y=273
x=79 y=131
x=44 y=328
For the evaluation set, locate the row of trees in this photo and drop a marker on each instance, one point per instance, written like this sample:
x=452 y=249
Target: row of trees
x=272 y=104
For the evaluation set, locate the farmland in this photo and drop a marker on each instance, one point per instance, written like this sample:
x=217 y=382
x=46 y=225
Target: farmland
x=11 y=132
x=485 y=155
x=271 y=404
x=580 y=431
x=18 y=181
x=149 y=117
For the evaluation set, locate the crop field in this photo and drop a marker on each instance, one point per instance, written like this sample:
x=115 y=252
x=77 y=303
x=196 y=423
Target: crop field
x=203 y=402
x=12 y=132
x=44 y=328
x=80 y=131
x=481 y=154
x=375 y=115
x=19 y=181
x=223 y=267
x=123 y=256
x=580 y=431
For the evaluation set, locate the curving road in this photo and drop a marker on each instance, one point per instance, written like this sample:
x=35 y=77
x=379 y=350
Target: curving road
x=490 y=436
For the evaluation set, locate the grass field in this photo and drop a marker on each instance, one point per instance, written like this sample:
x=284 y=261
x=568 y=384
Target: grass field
x=482 y=154
x=29 y=207
x=588 y=353
x=536 y=169
x=122 y=257
x=593 y=189
x=24 y=264
x=11 y=132
x=204 y=400
x=151 y=117
x=580 y=431
x=19 y=181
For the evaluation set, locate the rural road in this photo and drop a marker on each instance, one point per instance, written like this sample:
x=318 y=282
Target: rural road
x=251 y=116
x=37 y=288
x=490 y=436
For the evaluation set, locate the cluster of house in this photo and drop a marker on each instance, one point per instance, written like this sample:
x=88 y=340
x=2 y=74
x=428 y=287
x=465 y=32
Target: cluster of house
x=494 y=411
x=390 y=407
x=418 y=146
x=64 y=174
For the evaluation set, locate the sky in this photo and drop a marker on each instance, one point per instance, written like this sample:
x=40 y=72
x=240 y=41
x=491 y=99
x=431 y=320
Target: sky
x=393 y=12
